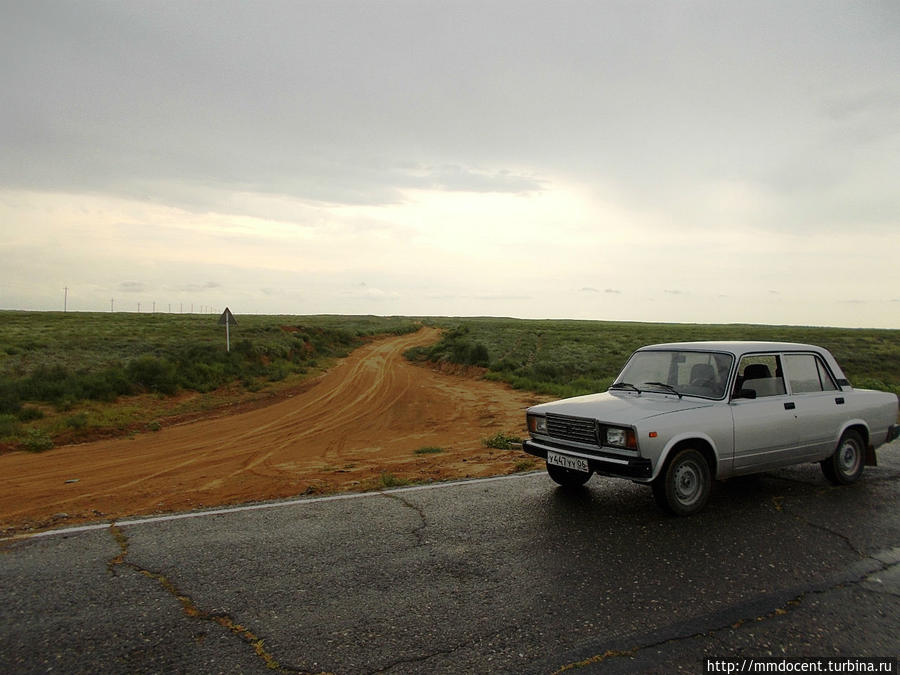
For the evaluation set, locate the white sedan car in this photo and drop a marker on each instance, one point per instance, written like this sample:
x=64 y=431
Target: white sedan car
x=682 y=414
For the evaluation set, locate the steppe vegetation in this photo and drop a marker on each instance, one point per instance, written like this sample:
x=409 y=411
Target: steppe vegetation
x=74 y=376
x=568 y=358
x=68 y=377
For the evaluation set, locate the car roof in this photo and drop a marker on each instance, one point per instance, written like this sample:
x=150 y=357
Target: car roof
x=738 y=348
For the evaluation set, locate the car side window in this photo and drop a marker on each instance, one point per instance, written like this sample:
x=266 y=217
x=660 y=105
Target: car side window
x=828 y=383
x=808 y=374
x=762 y=374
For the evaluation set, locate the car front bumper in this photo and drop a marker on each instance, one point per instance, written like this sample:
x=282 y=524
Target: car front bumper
x=637 y=468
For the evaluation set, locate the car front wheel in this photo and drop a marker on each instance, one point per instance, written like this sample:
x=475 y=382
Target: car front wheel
x=684 y=484
x=567 y=477
x=846 y=463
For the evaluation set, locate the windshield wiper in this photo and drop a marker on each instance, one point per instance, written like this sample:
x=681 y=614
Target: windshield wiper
x=625 y=385
x=667 y=387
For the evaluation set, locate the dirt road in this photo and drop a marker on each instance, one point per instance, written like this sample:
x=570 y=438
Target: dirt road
x=357 y=428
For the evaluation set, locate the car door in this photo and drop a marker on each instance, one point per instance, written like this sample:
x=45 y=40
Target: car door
x=765 y=427
x=819 y=405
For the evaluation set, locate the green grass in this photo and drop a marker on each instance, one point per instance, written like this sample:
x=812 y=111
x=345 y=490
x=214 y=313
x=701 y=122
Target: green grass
x=64 y=358
x=64 y=361
x=37 y=441
x=389 y=480
x=568 y=358
x=72 y=376
x=524 y=465
x=428 y=450
x=501 y=441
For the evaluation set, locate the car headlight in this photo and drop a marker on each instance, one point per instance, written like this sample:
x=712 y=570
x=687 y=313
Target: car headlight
x=620 y=438
x=537 y=424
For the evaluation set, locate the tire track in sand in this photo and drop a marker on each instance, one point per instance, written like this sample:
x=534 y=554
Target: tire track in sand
x=365 y=416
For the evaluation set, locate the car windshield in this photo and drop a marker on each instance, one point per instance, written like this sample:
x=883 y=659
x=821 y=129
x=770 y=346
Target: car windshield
x=686 y=373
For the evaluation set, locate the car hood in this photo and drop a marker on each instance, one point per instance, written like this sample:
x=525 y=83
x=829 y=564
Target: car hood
x=620 y=408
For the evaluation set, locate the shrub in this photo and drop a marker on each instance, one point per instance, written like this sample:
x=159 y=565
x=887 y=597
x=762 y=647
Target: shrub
x=29 y=414
x=278 y=373
x=78 y=421
x=417 y=354
x=9 y=425
x=429 y=450
x=10 y=401
x=501 y=441
x=153 y=374
x=37 y=441
x=64 y=404
x=48 y=383
x=524 y=465
x=389 y=480
x=106 y=385
x=455 y=346
x=478 y=355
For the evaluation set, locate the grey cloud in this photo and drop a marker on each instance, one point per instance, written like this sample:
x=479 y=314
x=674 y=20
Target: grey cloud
x=499 y=297
x=613 y=291
x=132 y=287
x=866 y=105
x=191 y=288
x=363 y=291
x=182 y=103
x=459 y=178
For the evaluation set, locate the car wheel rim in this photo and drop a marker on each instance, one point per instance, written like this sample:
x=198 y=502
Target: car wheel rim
x=687 y=483
x=848 y=458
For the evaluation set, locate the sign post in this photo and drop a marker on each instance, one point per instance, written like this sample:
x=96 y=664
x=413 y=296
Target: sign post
x=227 y=319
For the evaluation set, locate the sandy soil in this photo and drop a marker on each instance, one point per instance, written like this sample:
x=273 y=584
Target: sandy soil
x=361 y=420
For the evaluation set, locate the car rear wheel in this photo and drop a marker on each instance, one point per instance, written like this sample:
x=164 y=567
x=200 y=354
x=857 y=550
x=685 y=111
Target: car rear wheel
x=846 y=463
x=567 y=477
x=684 y=484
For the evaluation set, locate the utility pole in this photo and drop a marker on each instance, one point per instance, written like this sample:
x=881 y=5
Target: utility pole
x=112 y=303
x=154 y=306
x=66 y=299
x=139 y=308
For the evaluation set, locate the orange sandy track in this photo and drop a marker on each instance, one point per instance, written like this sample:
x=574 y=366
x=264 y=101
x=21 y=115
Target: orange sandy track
x=361 y=419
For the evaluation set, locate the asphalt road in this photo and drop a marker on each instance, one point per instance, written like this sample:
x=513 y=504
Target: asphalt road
x=505 y=575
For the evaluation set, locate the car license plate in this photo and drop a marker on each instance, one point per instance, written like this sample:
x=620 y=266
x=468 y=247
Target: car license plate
x=574 y=463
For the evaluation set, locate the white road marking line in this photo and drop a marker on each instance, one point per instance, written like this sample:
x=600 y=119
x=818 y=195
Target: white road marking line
x=259 y=507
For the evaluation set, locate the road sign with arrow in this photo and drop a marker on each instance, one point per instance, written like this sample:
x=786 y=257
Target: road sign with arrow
x=227 y=319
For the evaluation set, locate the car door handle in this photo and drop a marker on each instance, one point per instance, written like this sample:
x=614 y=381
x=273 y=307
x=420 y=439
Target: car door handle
x=839 y=400
x=789 y=406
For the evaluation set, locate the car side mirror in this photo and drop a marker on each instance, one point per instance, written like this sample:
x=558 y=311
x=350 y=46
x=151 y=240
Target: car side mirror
x=747 y=393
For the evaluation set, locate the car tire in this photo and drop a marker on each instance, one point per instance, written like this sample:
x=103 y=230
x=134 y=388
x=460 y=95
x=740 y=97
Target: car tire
x=568 y=477
x=683 y=486
x=846 y=463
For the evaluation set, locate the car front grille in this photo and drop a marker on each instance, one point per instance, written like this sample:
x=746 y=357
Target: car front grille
x=578 y=429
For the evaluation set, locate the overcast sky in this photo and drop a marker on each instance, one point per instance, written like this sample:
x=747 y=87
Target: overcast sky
x=668 y=161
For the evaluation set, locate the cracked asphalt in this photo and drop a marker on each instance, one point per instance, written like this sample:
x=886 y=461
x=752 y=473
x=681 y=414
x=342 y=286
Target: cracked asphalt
x=509 y=575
